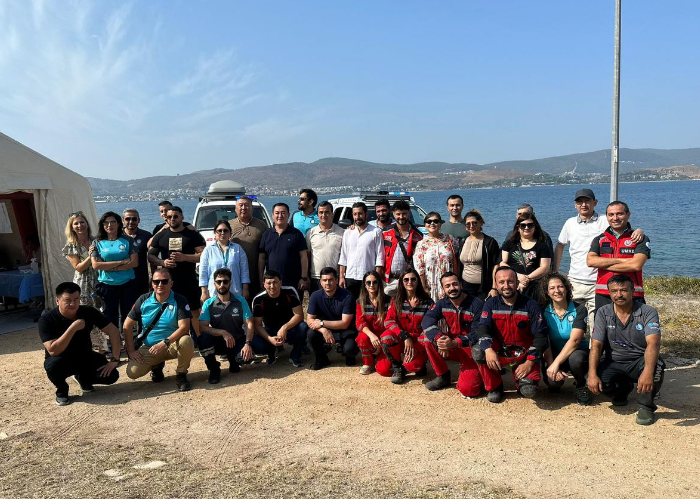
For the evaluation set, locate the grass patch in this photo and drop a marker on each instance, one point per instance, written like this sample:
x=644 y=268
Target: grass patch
x=661 y=285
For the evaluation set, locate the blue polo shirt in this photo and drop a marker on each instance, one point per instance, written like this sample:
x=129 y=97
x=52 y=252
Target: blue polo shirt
x=305 y=222
x=146 y=308
x=111 y=251
x=331 y=308
x=559 y=330
x=282 y=253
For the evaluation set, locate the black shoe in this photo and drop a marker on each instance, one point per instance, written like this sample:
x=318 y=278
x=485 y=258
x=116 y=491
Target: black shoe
x=234 y=367
x=319 y=365
x=63 y=400
x=423 y=371
x=85 y=387
x=214 y=376
x=495 y=396
x=584 y=396
x=271 y=359
x=442 y=381
x=305 y=350
x=619 y=401
x=157 y=373
x=527 y=390
x=183 y=385
x=296 y=362
x=350 y=360
x=398 y=374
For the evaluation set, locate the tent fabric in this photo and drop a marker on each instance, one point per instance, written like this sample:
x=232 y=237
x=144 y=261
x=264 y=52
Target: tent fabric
x=57 y=193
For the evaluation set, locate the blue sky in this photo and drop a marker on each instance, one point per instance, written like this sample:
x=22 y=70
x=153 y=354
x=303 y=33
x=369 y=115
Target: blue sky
x=127 y=90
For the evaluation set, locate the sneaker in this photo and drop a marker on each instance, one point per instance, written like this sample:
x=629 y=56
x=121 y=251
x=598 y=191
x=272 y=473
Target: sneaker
x=440 y=382
x=214 y=376
x=645 y=417
x=85 y=387
x=398 y=374
x=296 y=362
x=234 y=367
x=583 y=396
x=63 y=400
x=319 y=365
x=350 y=360
x=183 y=385
x=495 y=396
x=157 y=373
x=366 y=369
x=527 y=390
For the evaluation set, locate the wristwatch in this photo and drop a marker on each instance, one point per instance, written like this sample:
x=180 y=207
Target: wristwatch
x=113 y=359
x=248 y=342
x=321 y=322
x=167 y=342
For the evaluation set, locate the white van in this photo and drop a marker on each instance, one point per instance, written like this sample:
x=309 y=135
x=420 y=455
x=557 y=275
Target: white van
x=342 y=207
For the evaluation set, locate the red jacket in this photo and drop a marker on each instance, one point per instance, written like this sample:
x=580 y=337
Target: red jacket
x=607 y=245
x=391 y=246
x=408 y=322
x=367 y=318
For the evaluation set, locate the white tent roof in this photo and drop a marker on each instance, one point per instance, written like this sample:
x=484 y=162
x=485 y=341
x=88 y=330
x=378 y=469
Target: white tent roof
x=58 y=192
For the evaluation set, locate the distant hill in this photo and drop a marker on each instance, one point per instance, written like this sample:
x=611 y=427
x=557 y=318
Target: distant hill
x=343 y=174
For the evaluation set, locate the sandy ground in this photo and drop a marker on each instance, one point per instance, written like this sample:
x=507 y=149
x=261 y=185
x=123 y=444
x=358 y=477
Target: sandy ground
x=275 y=431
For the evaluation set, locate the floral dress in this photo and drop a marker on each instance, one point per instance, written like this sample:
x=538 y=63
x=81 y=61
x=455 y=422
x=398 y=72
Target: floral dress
x=433 y=257
x=87 y=279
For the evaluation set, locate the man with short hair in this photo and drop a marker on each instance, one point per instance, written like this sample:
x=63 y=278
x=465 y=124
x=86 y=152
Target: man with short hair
x=616 y=252
x=140 y=238
x=527 y=209
x=227 y=329
x=460 y=312
x=362 y=250
x=164 y=318
x=455 y=225
x=331 y=317
x=65 y=333
x=629 y=333
x=511 y=334
x=400 y=242
x=178 y=249
x=306 y=218
x=163 y=208
x=383 y=210
x=247 y=231
x=277 y=313
x=283 y=248
x=324 y=242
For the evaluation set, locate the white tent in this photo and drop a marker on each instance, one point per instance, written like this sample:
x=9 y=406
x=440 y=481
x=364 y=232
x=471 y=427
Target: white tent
x=57 y=193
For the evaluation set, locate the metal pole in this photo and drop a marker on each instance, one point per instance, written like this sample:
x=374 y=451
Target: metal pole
x=614 y=156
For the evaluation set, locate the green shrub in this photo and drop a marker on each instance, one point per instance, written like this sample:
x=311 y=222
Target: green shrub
x=662 y=285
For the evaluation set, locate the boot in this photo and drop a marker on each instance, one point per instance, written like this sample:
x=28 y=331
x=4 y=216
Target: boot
x=440 y=382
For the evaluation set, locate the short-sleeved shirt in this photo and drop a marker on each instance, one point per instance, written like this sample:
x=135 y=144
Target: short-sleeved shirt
x=331 y=308
x=140 y=241
x=227 y=316
x=625 y=342
x=147 y=307
x=166 y=242
x=324 y=246
x=525 y=261
x=111 y=251
x=248 y=236
x=276 y=312
x=579 y=235
x=456 y=229
x=52 y=325
x=559 y=329
x=282 y=251
x=305 y=222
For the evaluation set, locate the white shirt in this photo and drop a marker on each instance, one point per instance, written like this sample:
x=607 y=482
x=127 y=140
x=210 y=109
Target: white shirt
x=361 y=251
x=324 y=246
x=579 y=235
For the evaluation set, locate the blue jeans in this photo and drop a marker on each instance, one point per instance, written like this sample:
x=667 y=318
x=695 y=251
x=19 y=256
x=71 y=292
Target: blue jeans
x=210 y=346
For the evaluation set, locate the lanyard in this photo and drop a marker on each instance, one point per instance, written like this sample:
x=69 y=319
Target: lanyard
x=224 y=255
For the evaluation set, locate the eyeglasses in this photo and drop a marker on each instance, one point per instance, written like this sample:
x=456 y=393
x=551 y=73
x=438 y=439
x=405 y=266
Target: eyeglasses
x=131 y=219
x=410 y=279
x=433 y=221
x=158 y=282
x=303 y=199
x=222 y=231
x=371 y=283
x=222 y=281
x=110 y=222
x=527 y=225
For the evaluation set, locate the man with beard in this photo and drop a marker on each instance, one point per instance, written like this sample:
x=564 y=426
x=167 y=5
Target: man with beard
x=140 y=238
x=455 y=225
x=400 y=241
x=306 y=218
x=382 y=208
x=247 y=231
x=362 y=250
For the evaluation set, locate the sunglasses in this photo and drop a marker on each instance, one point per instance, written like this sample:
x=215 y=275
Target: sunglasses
x=222 y=231
x=131 y=219
x=527 y=225
x=471 y=224
x=371 y=283
x=433 y=221
x=158 y=282
x=410 y=279
x=303 y=199
x=221 y=281
x=76 y=213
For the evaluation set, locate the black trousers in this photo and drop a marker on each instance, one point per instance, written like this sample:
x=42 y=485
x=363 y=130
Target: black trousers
x=619 y=378
x=210 y=346
x=354 y=286
x=85 y=367
x=576 y=364
x=346 y=339
x=118 y=301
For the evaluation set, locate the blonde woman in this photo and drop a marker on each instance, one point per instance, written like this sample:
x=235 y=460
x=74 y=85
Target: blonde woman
x=79 y=244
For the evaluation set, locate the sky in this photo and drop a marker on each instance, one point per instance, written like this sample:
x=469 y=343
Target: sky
x=126 y=90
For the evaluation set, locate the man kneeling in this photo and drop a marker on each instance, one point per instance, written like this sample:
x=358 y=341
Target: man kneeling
x=65 y=332
x=164 y=319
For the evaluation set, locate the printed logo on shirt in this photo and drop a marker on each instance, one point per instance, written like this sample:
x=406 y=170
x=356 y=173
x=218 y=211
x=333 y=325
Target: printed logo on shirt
x=585 y=319
x=571 y=318
x=171 y=307
x=628 y=243
x=138 y=241
x=234 y=311
x=187 y=307
x=484 y=315
x=175 y=244
x=122 y=247
x=638 y=327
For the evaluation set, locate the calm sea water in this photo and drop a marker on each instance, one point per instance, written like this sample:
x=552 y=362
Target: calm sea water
x=657 y=207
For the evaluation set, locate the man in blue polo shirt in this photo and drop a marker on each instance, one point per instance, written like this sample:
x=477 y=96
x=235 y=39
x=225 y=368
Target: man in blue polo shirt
x=227 y=328
x=331 y=317
x=307 y=216
x=168 y=337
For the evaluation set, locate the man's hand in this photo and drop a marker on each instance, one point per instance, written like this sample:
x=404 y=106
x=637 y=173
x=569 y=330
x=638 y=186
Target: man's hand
x=247 y=352
x=446 y=343
x=282 y=334
x=176 y=256
x=328 y=336
x=492 y=359
x=77 y=325
x=645 y=383
x=341 y=281
x=107 y=369
x=408 y=350
x=275 y=340
x=314 y=324
x=135 y=356
x=169 y=263
x=523 y=369
x=157 y=348
x=595 y=385
x=303 y=284
x=229 y=339
x=554 y=373
x=637 y=237
x=204 y=297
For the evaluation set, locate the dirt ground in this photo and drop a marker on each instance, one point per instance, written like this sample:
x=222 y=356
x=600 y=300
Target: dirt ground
x=275 y=431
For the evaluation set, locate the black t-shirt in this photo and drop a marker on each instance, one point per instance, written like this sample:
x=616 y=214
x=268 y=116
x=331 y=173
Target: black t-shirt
x=166 y=242
x=276 y=312
x=140 y=241
x=52 y=325
x=525 y=261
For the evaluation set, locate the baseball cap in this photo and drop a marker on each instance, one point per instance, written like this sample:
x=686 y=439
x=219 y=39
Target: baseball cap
x=584 y=193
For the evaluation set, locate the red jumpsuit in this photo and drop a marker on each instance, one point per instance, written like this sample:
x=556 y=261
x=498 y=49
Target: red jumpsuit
x=367 y=318
x=406 y=324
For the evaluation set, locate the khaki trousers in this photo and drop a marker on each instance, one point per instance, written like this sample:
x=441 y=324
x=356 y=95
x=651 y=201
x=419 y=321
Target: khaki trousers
x=182 y=350
x=585 y=293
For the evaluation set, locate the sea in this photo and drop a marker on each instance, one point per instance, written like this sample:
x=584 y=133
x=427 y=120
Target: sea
x=668 y=212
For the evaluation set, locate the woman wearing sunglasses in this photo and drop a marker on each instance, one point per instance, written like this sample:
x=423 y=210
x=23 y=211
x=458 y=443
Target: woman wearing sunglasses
x=77 y=250
x=435 y=254
x=527 y=252
x=479 y=256
x=223 y=253
x=403 y=327
x=369 y=319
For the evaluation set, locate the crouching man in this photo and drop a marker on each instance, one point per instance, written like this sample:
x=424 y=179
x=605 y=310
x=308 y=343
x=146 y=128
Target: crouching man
x=65 y=332
x=629 y=333
x=164 y=318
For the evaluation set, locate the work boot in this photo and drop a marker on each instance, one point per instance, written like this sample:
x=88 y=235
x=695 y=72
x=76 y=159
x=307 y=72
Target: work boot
x=214 y=376
x=398 y=374
x=495 y=396
x=183 y=385
x=440 y=382
x=527 y=390
x=645 y=417
x=157 y=373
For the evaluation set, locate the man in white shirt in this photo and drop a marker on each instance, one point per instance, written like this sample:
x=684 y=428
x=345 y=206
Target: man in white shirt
x=324 y=242
x=362 y=250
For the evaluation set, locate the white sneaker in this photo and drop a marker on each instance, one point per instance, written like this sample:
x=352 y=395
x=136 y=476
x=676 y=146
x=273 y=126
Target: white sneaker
x=366 y=369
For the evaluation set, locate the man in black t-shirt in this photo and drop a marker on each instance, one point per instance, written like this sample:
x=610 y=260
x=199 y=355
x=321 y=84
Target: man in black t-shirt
x=277 y=311
x=178 y=249
x=65 y=332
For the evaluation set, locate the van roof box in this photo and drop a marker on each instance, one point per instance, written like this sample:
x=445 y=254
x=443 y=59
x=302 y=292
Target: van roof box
x=226 y=187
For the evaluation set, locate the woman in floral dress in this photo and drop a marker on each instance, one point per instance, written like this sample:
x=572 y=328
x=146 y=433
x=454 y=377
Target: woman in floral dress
x=435 y=254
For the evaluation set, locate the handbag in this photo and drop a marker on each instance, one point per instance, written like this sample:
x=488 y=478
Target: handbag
x=138 y=341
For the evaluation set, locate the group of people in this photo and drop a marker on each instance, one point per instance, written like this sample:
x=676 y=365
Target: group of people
x=384 y=290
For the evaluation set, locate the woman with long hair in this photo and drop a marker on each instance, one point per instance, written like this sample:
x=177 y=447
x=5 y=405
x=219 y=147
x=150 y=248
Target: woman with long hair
x=403 y=327
x=369 y=318
x=479 y=256
x=435 y=254
x=79 y=244
x=224 y=253
x=115 y=257
x=566 y=327
x=527 y=252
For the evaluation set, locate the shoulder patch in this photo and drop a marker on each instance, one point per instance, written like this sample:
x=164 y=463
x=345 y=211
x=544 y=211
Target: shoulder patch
x=638 y=327
x=484 y=315
x=649 y=244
